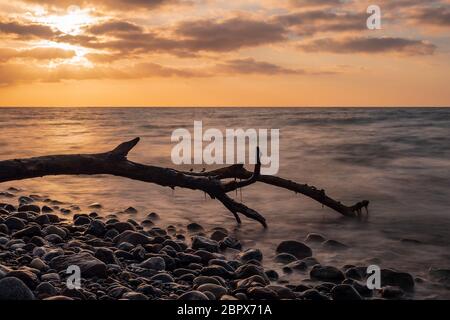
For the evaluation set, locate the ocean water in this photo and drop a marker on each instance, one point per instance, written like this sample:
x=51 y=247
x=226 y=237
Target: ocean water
x=397 y=158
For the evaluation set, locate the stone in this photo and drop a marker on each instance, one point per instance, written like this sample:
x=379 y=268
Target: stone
x=89 y=265
x=272 y=275
x=195 y=227
x=327 y=273
x=204 y=243
x=46 y=209
x=55 y=230
x=249 y=270
x=26 y=275
x=198 y=281
x=153 y=216
x=136 y=296
x=315 y=238
x=162 y=277
x=345 y=292
x=217 y=290
x=192 y=296
x=82 y=220
x=282 y=292
x=335 y=245
x=296 y=248
x=258 y=293
x=28 y=232
x=96 y=228
x=397 y=279
x=46 y=289
x=314 y=295
x=154 y=263
x=14 y=289
x=95 y=205
x=298 y=265
x=251 y=254
x=132 y=237
x=38 y=264
x=29 y=208
x=218 y=235
x=230 y=242
x=106 y=255
x=391 y=292
x=285 y=258
x=131 y=210
x=14 y=223
x=122 y=226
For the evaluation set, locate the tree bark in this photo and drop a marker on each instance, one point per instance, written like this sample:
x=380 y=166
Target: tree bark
x=215 y=183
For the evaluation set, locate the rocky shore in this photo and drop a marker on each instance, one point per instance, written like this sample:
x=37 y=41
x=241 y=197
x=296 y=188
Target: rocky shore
x=140 y=260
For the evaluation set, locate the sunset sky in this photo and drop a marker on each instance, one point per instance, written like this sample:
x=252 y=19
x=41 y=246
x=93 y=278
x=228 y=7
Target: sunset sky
x=223 y=53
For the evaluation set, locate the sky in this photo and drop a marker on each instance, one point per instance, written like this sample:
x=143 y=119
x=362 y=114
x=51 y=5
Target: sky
x=223 y=53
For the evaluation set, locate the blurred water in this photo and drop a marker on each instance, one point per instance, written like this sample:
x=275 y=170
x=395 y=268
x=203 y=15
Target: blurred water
x=397 y=158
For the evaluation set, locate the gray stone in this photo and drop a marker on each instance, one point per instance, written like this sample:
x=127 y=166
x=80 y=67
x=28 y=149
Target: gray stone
x=14 y=289
x=296 y=248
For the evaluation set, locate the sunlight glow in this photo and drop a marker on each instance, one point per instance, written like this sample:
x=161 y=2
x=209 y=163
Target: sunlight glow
x=72 y=22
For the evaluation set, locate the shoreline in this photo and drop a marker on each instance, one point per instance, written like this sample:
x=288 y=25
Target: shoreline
x=139 y=260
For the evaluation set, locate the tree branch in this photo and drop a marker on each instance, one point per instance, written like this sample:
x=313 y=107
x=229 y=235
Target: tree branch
x=115 y=163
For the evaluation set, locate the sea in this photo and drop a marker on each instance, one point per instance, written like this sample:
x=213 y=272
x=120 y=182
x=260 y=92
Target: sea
x=397 y=158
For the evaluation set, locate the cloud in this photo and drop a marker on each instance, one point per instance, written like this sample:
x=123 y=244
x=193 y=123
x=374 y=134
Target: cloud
x=370 y=45
x=315 y=3
x=314 y=21
x=114 y=27
x=38 y=53
x=26 y=31
x=230 y=34
x=123 y=5
x=251 y=66
x=436 y=16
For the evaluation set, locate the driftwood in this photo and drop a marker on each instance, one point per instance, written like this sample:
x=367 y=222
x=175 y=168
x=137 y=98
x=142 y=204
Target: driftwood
x=217 y=184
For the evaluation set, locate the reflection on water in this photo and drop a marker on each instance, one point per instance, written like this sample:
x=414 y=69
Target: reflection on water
x=397 y=158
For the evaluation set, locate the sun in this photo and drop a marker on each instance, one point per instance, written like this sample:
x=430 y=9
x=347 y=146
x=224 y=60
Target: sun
x=71 y=22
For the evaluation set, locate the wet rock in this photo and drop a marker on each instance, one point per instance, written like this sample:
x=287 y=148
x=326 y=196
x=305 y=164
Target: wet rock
x=95 y=205
x=252 y=281
x=217 y=290
x=136 y=296
x=272 y=275
x=327 y=273
x=106 y=255
x=46 y=209
x=315 y=238
x=258 y=293
x=111 y=234
x=298 y=265
x=198 y=281
x=27 y=276
x=441 y=275
x=14 y=223
x=46 y=289
x=314 y=295
x=335 y=245
x=216 y=271
x=81 y=220
x=14 y=289
x=96 y=228
x=354 y=273
x=282 y=292
x=4 y=229
x=345 y=292
x=28 y=232
x=42 y=220
x=195 y=227
x=218 y=235
x=230 y=242
x=122 y=226
x=204 y=243
x=162 y=277
x=89 y=265
x=192 y=296
x=51 y=277
x=249 y=270
x=38 y=264
x=29 y=208
x=285 y=258
x=391 y=292
x=131 y=210
x=132 y=237
x=397 y=279
x=296 y=248
x=251 y=254
x=153 y=216
x=154 y=263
